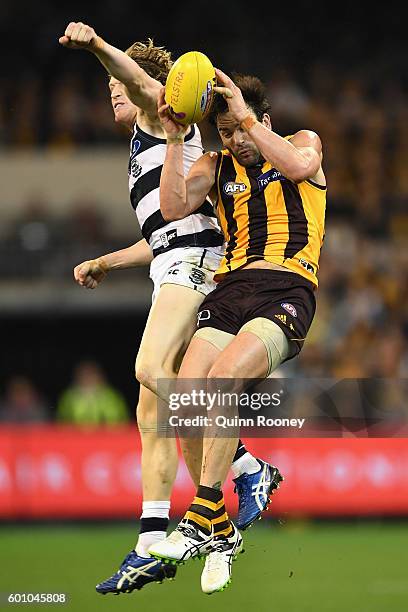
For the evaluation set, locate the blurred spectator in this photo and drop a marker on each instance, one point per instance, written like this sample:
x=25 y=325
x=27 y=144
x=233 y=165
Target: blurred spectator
x=22 y=403
x=84 y=222
x=90 y=400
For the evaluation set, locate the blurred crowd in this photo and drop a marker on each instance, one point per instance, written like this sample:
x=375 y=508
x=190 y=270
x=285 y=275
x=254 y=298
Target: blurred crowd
x=88 y=400
x=39 y=243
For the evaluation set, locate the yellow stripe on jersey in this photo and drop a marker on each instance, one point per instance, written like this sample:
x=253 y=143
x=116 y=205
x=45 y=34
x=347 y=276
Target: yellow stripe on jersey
x=265 y=216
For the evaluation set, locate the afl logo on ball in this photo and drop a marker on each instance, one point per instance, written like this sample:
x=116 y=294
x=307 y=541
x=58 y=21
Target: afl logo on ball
x=290 y=309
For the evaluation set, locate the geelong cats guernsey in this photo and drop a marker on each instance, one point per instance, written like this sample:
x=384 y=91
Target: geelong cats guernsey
x=200 y=229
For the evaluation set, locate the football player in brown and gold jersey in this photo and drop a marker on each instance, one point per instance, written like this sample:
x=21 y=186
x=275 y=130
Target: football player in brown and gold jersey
x=269 y=193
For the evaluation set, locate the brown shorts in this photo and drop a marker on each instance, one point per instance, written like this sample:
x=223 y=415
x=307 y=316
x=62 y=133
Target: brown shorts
x=285 y=298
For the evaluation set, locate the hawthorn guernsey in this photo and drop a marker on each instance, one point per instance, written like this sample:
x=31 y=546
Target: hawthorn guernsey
x=190 y=87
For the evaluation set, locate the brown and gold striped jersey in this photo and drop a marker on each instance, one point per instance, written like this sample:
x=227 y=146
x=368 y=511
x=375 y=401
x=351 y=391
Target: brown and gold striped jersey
x=265 y=216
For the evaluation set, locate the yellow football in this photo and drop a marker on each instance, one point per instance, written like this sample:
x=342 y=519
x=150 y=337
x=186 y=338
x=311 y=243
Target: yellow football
x=190 y=87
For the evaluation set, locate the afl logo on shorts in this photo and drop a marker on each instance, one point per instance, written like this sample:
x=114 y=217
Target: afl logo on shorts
x=290 y=309
x=204 y=315
x=231 y=188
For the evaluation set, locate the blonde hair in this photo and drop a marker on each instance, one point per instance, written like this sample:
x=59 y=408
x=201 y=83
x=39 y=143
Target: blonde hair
x=156 y=61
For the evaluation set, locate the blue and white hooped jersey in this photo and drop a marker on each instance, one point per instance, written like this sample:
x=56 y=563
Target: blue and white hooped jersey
x=200 y=229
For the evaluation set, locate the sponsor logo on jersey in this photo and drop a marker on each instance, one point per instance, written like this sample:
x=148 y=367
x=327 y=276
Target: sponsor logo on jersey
x=197 y=276
x=135 y=168
x=203 y=315
x=290 y=309
x=269 y=177
x=307 y=265
x=230 y=188
x=167 y=237
x=281 y=318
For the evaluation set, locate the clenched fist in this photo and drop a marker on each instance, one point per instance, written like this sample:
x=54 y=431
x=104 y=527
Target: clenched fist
x=90 y=273
x=78 y=35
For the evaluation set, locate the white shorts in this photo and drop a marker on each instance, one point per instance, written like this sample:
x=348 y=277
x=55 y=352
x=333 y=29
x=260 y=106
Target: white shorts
x=192 y=267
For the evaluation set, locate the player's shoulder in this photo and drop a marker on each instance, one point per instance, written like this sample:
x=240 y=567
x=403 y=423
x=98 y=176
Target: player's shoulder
x=306 y=138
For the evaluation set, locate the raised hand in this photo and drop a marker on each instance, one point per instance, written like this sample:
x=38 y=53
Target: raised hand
x=78 y=35
x=232 y=94
x=170 y=126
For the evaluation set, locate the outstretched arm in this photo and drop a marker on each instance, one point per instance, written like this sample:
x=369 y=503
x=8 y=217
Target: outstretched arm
x=142 y=88
x=91 y=273
x=180 y=196
x=297 y=159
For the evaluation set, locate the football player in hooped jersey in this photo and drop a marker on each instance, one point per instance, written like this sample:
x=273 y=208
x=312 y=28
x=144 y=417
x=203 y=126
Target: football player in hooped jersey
x=270 y=196
x=193 y=248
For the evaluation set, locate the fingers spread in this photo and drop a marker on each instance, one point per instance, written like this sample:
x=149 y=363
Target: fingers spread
x=222 y=76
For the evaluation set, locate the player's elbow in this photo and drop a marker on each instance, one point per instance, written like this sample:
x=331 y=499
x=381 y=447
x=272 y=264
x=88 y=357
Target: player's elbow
x=301 y=171
x=305 y=167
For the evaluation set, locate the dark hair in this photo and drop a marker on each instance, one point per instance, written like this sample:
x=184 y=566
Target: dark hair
x=156 y=61
x=253 y=92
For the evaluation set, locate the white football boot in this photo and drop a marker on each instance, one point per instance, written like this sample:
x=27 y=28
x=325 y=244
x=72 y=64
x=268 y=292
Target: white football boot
x=216 y=574
x=186 y=542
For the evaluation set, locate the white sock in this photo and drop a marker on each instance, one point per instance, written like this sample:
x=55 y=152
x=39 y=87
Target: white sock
x=247 y=464
x=152 y=509
x=155 y=509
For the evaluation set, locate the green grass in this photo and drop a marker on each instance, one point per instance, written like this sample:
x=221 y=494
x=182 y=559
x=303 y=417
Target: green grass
x=298 y=567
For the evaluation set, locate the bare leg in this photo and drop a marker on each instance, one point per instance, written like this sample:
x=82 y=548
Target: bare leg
x=245 y=357
x=169 y=329
x=171 y=323
x=196 y=364
x=159 y=454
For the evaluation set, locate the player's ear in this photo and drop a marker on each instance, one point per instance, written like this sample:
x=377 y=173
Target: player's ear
x=266 y=121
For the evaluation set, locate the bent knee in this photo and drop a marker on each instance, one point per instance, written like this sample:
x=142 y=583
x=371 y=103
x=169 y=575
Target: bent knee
x=149 y=375
x=223 y=370
x=146 y=376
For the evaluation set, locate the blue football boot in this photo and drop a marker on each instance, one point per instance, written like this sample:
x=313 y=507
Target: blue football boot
x=253 y=493
x=134 y=573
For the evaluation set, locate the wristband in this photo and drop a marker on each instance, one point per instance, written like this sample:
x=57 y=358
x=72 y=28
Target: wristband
x=248 y=122
x=179 y=139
